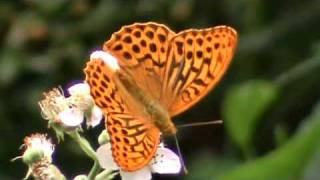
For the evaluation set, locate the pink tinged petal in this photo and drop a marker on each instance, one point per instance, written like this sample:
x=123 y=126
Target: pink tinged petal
x=96 y=117
x=71 y=117
x=161 y=145
x=39 y=141
x=141 y=174
x=107 y=58
x=105 y=158
x=165 y=162
x=80 y=88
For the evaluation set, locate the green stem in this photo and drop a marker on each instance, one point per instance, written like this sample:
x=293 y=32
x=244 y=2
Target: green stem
x=298 y=71
x=94 y=170
x=57 y=173
x=86 y=147
x=106 y=174
x=84 y=144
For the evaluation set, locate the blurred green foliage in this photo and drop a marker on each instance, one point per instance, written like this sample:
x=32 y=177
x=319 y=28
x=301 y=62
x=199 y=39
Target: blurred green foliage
x=245 y=104
x=289 y=160
x=267 y=98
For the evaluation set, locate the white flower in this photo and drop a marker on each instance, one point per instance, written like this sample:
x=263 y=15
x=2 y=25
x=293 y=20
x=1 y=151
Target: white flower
x=81 y=98
x=164 y=162
x=95 y=117
x=71 y=117
x=39 y=143
x=38 y=156
x=70 y=112
x=79 y=89
x=53 y=103
x=56 y=108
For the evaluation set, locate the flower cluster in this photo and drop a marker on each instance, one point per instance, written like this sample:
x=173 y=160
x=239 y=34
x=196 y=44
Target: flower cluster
x=65 y=115
x=38 y=156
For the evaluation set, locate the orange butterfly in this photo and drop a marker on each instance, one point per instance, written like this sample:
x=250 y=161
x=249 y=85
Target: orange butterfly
x=160 y=74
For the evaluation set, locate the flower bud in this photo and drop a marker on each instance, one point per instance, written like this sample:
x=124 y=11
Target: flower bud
x=38 y=147
x=103 y=137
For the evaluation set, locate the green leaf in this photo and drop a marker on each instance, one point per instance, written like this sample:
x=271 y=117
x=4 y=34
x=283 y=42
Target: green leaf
x=243 y=107
x=312 y=169
x=281 y=134
x=287 y=162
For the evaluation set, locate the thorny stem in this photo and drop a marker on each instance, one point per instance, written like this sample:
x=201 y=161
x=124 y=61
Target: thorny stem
x=86 y=147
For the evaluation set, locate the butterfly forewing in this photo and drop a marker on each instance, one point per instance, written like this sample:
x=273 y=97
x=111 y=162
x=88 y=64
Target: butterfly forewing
x=196 y=62
x=141 y=49
x=134 y=141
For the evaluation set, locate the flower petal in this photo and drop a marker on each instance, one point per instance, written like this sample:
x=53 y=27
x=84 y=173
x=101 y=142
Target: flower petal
x=165 y=162
x=105 y=158
x=108 y=59
x=141 y=174
x=80 y=88
x=39 y=141
x=71 y=117
x=95 y=118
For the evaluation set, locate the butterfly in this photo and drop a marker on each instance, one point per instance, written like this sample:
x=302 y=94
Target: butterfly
x=158 y=74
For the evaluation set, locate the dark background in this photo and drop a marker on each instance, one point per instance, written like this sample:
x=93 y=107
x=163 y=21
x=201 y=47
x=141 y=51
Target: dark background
x=44 y=44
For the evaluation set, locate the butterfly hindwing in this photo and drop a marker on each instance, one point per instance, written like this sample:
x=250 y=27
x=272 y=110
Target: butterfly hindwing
x=133 y=141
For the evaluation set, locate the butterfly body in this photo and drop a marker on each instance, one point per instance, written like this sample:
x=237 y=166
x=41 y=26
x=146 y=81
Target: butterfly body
x=158 y=74
x=141 y=103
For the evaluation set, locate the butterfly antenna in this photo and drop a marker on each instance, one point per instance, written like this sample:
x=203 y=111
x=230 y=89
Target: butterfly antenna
x=185 y=170
x=200 y=124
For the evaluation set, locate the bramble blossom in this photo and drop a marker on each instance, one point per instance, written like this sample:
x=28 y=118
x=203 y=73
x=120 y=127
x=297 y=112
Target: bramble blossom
x=70 y=111
x=38 y=156
x=164 y=162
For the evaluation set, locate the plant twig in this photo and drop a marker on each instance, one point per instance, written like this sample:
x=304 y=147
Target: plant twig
x=86 y=147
